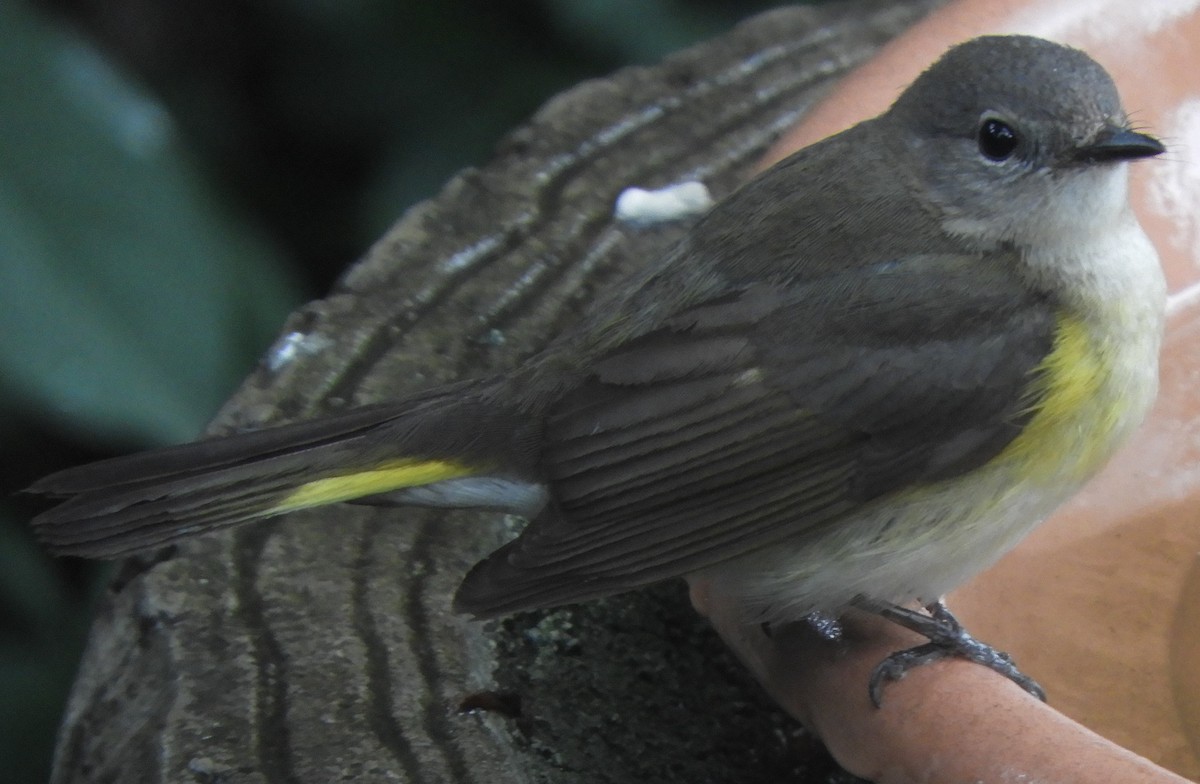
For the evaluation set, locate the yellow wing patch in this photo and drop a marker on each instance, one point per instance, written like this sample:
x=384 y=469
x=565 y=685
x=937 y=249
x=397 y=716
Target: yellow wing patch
x=383 y=478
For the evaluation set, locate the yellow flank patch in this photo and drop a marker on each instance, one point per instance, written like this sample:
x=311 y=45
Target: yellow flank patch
x=383 y=478
x=1074 y=410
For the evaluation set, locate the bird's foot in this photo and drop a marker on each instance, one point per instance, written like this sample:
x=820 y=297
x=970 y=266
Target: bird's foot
x=947 y=637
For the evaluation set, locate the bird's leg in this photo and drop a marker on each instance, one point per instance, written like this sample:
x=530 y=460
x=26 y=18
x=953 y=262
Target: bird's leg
x=826 y=625
x=947 y=637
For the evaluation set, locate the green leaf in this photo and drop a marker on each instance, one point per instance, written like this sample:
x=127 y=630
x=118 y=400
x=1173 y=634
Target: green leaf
x=30 y=591
x=640 y=31
x=40 y=645
x=127 y=292
x=39 y=688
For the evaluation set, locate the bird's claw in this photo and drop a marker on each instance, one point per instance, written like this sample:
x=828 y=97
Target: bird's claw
x=947 y=638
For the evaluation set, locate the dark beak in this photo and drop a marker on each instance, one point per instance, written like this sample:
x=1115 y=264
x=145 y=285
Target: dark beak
x=1119 y=144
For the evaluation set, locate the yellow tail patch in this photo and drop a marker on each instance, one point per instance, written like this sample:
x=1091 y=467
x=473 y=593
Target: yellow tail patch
x=383 y=478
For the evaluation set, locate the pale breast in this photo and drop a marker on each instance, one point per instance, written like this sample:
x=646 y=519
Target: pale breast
x=1091 y=391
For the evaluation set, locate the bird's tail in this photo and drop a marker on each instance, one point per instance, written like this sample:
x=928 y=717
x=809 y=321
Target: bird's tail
x=445 y=449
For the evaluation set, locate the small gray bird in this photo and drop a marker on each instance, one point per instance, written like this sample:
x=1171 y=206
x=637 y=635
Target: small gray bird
x=859 y=380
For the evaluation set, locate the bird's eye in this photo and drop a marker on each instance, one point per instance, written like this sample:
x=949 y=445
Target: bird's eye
x=997 y=139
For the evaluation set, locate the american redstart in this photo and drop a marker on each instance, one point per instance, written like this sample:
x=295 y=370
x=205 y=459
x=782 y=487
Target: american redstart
x=858 y=380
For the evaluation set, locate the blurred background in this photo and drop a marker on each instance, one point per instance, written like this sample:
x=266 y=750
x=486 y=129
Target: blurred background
x=176 y=177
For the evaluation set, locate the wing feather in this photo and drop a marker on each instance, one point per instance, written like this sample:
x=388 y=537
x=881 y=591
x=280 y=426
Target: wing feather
x=771 y=412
